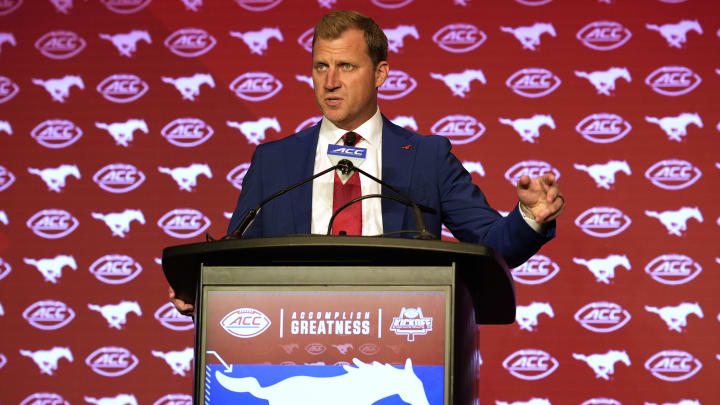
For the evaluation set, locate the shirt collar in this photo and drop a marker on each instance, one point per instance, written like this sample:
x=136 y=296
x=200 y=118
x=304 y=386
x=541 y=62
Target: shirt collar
x=370 y=130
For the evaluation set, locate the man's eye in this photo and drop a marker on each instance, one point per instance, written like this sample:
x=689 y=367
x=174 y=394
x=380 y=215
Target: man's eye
x=347 y=66
x=320 y=67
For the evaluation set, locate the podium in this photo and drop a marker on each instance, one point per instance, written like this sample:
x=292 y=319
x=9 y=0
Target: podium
x=339 y=319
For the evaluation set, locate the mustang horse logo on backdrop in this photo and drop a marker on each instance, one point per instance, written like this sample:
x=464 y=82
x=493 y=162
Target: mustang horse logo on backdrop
x=604 y=174
x=529 y=37
x=676 y=127
x=529 y=128
x=396 y=35
x=527 y=315
x=123 y=132
x=676 y=34
x=189 y=87
x=7 y=37
x=604 y=364
x=5 y=127
x=257 y=41
x=119 y=399
x=47 y=360
x=459 y=83
x=59 y=89
x=55 y=177
x=179 y=361
x=604 y=269
x=676 y=220
x=51 y=269
x=186 y=177
x=604 y=80
x=254 y=131
x=116 y=314
x=119 y=222
x=676 y=316
x=126 y=44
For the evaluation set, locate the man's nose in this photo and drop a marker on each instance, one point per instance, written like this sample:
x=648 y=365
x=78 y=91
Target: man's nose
x=332 y=80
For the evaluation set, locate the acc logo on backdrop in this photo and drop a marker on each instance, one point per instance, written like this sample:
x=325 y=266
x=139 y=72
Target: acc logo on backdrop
x=533 y=82
x=309 y=123
x=169 y=317
x=459 y=129
x=236 y=175
x=245 y=322
x=56 y=133
x=60 y=44
x=8 y=89
x=255 y=86
x=673 y=269
x=173 y=399
x=119 y=178
x=602 y=317
x=125 y=6
x=532 y=168
x=258 y=5
x=673 y=365
x=533 y=2
x=39 y=398
x=112 y=361
x=604 y=35
x=8 y=6
x=603 y=222
x=52 y=223
x=115 y=269
x=315 y=349
x=48 y=314
x=673 y=80
x=673 y=174
x=5 y=268
x=187 y=132
x=603 y=127
x=305 y=39
x=530 y=364
x=391 y=3
x=7 y=178
x=459 y=38
x=122 y=88
x=397 y=85
x=190 y=42
x=537 y=270
x=184 y=223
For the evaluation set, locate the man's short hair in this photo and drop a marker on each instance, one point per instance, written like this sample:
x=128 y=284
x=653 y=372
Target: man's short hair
x=335 y=23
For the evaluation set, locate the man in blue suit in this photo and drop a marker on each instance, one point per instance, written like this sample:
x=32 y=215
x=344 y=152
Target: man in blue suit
x=349 y=65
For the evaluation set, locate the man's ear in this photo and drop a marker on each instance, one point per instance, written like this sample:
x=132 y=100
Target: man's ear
x=381 y=73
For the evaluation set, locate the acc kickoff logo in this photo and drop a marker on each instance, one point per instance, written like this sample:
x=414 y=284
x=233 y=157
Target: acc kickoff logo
x=119 y=178
x=122 y=88
x=673 y=365
x=7 y=178
x=52 y=223
x=532 y=168
x=60 y=44
x=673 y=174
x=187 y=132
x=673 y=269
x=184 y=223
x=125 y=6
x=603 y=127
x=112 y=361
x=56 y=133
x=533 y=82
x=245 y=322
x=459 y=129
x=237 y=175
x=603 y=222
x=258 y=5
x=8 y=89
x=459 y=38
x=537 y=270
x=115 y=269
x=602 y=317
x=255 y=86
x=673 y=80
x=190 y=42
x=398 y=84
x=411 y=322
x=530 y=364
x=48 y=314
x=604 y=35
x=42 y=398
x=170 y=318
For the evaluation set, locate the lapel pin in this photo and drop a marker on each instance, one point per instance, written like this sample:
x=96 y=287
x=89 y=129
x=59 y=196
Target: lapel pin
x=406 y=147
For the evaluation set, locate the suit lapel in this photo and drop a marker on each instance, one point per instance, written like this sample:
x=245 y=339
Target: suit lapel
x=398 y=158
x=299 y=164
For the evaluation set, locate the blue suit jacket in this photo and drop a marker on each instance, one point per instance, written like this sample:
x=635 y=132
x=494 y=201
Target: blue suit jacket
x=425 y=170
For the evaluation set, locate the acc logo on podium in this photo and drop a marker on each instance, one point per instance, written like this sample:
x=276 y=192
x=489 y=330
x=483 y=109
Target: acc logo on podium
x=112 y=361
x=115 y=269
x=60 y=44
x=48 y=314
x=602 y=317
x=184 y=223
x=245 y=322
x=537 y=270
x=530 y=364
x=673 y=365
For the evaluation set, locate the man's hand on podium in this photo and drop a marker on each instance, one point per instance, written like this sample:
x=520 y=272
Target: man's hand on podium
x=182 y=306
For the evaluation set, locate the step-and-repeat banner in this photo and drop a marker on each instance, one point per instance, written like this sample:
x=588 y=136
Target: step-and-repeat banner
x=128 y=125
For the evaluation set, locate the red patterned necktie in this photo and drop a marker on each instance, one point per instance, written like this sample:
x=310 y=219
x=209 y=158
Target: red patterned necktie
x=349 y=219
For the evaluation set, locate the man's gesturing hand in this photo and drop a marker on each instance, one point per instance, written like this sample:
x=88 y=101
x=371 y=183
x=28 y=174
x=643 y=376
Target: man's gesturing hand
x=540 y=198
x=182 y=306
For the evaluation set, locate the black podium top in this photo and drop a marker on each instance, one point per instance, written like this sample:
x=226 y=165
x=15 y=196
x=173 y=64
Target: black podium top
x=479 y=267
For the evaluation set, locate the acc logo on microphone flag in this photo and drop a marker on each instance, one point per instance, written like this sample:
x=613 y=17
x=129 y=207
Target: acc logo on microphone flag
x=673 y=174
x=112 y=361
x=397 y=85
x=673 y=269
x=602 y=317
x=459 y=129
x=170 y=318
x=532 y=168
x=537 y=270
x=190 y=42
x=119 y=178
x=184 y=223
x=122 y=88
x=174 y=399
x=604 y=35
x=237 y=175
x=52 y=223
x=245 y=322
x=48 y=314
x=8 y=89
x=7 y=178
x=673 y=80
x=60 y=44
x=187 y=132
x=673 y=365
x=255 y=86
x=459 y=38
x=533 y=82
x=530 y=364
x=258 y=5
x=125 y=6
x=603 y=127
x=115 y=269
x=49 y=398
x=603 y=222
x=56 y=133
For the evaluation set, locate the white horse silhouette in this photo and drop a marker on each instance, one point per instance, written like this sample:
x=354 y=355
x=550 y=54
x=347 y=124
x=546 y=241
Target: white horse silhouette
x=604 y=80
x=126 y=44
x=676 y=34
x=529 y=128
x=257 y=41
x=179 y=361
x=604 y=268
x=459 y=83
x=532 y=401
x=4 y=218
x=51 y=269
x=123 y=132
x=59 y=89
x=395 y=36
x=405 y=122
x=62 y=6
x=119 y=399
x=681 y=402
x=288 y=348
x=305 y=79
x=186 y=177
x=676 y=316
x=7 y=37
x=527 y=315
x=119 y=222
x=254 y=131
x=192 y=5
x=676 y=221
x=361 y=385
x=343 y=348
x=604 y=174
x=474 y=167
x=47 y=360
x=529 y=37
x=676 y=127
x=55 y=177
x=116 y=314
x=604 y=364
x=189 y=87
x=5 y=127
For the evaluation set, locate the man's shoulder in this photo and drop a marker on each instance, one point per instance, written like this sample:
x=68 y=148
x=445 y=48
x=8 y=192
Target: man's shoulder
x=414 y=137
